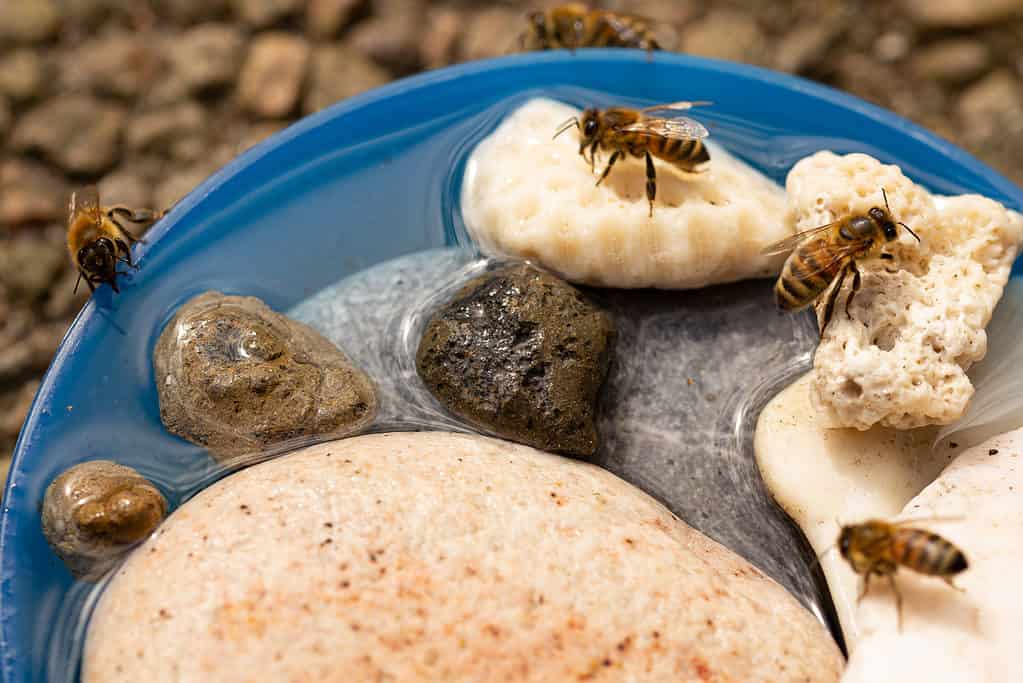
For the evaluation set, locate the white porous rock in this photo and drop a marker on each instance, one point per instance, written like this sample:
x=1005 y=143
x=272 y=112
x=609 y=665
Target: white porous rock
x=826 y=477
x=947 y=636
x=442 y=557
x=527 y=196
x=900 y=358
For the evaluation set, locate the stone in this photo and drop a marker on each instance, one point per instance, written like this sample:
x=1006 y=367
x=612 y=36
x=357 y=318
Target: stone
x=990 y=104
x=522 y=354
x=804 y=46
x=235 y=377
x=324 y=19
x=6 y=116
x=161 y=130
x=440 y=39
x=22 y=75
x=954 y=61
x=265 y=13
x=30 y=193
x=187 y=12
x=15 y=407
x=960 y=13
x=23 y=248
x=96 y=511
x=690 y=373
x=429 y=556
x=724 y=34
x=117 y=63
x=126 y=186
x=339 y=72
x=488 y=33
x=28 y=21
x=80 y=133
x=31 y=352
x=274 y=72
x=392 y=36
x=207 y=57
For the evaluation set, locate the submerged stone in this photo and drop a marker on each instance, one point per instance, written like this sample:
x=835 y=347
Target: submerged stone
x=522 y=354
x=236 y=377
x=95 y=511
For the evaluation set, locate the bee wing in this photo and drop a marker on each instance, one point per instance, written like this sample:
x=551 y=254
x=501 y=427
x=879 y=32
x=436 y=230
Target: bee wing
x=793 y=241
x=84 y=201
x=680 y=128
x=835 y=255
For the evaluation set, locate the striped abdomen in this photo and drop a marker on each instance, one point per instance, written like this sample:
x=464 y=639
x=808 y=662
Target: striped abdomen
x=686 y=154
x=606 y=29
x=806 y=274
x=927 y=553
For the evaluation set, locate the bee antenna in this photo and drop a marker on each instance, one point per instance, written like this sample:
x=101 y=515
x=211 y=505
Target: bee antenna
x=566 y=125
x=910 y=231
x=885 y=195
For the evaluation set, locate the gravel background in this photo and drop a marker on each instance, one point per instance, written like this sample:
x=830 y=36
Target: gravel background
x=149 y=98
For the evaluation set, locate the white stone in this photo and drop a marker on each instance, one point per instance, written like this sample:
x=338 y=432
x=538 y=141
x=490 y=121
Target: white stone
x=435 y=556
x=900 y=358
x=528 y=196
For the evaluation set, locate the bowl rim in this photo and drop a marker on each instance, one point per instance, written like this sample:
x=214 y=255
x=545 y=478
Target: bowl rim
x=423 y=81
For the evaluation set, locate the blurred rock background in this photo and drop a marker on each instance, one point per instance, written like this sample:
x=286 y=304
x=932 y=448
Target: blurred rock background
x=148 y=97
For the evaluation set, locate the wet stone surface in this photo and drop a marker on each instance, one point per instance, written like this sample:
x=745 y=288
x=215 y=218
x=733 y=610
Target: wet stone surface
x=521 y=354
x=689 y=375
x=235 y=377
x=97 y=510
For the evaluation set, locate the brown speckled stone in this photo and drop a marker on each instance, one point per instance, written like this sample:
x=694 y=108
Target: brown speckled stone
x=236 y=377
x=520 y=353
x=95 y=511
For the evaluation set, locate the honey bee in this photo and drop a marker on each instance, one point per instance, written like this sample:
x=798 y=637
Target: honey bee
x=669 y=136
x=876 y=547
x=825 y=255
x=96 y=239
x=575 y=25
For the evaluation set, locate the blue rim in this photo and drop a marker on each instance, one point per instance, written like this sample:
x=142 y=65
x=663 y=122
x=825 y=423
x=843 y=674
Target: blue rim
x=1009 y=193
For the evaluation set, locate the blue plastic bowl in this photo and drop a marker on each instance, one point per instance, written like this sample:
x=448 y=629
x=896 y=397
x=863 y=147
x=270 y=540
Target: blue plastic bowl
x=367 y=180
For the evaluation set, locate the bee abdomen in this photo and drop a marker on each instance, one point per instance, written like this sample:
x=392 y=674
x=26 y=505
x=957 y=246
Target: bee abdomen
x=686 y=154
x=928 y=553
x=803 y=278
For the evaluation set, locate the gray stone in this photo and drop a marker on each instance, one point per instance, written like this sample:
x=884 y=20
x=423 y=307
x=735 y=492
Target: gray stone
x=339 y=72
x=725 y=34
x=126 y=186
x=521 y=354
x=265 y=13
x=29 y=284
x=237 y=378
x=6 y=116
x=187 y=12
x=30 y=193
x=82 y=134
x=489 y=33
x=804 y=46
x=954 y=61
x=326 y=18
x=440 y=38
x=392 y=36
x=691 y=372
x=207 y=57
x=22 y=75
x=960 y=13
x=115 y=63
x=28 y=21
x=274 y=72
x=96 y=511
x=993 y=106
x=163 y=129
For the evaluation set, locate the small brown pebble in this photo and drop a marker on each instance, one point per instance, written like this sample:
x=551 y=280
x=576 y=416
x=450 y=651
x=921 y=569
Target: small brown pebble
x=95 y=511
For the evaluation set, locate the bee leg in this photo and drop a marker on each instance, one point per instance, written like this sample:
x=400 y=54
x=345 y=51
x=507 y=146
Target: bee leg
x=951 y=583
x=855 y=287
x=898 y=598
x=651 y=183
x=593 y=156
x=829 y=306
x=610 y=163
x=866 y=587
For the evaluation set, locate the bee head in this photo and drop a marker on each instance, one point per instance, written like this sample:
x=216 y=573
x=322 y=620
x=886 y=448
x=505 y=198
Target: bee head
x=589 y=126
x=845 y=540
x=883 y=220
x=98 y=260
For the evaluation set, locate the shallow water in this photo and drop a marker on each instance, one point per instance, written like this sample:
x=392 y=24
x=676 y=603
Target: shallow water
x=323 y=220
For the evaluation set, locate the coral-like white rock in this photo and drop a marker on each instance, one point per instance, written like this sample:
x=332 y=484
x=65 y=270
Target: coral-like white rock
x=527 y=196
x=900 y=358
x=948 y=636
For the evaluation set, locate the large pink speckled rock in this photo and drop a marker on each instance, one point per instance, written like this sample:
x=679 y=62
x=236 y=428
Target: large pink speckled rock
x=442 y=557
